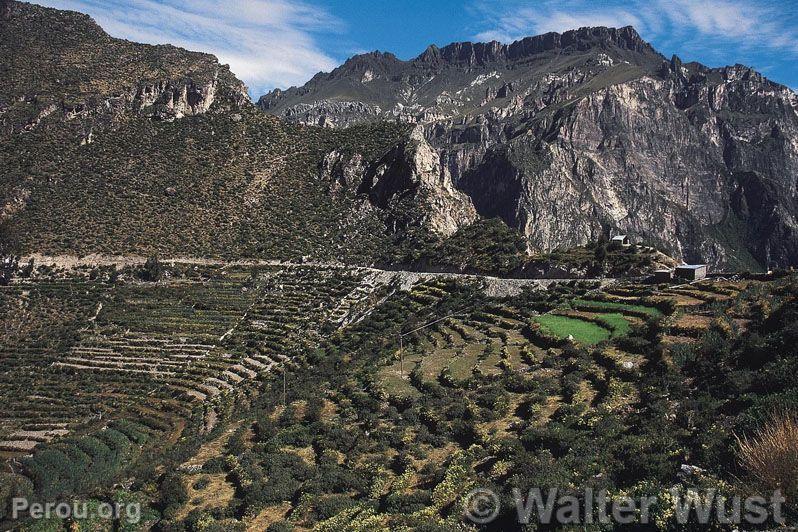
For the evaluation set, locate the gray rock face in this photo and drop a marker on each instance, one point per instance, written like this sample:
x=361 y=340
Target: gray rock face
x=165 y=100
x=409 y=182
x=570 y=136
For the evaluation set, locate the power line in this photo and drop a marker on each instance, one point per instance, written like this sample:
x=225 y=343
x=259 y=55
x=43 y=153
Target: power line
x=426 y=325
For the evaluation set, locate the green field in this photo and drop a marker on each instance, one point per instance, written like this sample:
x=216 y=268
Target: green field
x=609 y=305
x=618 y=323
x=584 y=332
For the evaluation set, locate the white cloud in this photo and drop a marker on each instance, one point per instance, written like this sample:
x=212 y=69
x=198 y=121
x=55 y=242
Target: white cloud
x=518 y=23
x=517 y=19
x=267 y=43
x=702 y=25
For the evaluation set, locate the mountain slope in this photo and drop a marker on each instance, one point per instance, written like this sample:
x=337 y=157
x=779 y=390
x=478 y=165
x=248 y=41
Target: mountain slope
x=114 y=147
x=117 y=147
x=62 y=63
x=570 y=136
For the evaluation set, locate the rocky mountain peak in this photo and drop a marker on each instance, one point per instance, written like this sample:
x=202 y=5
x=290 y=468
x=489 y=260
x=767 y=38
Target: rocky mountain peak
x=582 y=39
x=568 y=136
x=376 y=60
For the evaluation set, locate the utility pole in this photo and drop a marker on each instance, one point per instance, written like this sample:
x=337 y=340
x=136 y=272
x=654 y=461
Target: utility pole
x=401 y=357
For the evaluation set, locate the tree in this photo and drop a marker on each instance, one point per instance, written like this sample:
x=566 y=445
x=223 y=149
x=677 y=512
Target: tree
x=152 y=271
x=600 y=254
x=8 y=253
x=173 y=494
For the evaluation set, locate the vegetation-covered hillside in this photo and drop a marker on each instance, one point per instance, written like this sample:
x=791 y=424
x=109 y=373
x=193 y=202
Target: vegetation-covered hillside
x=116 y=147
x=272 y=398
x=210 y=185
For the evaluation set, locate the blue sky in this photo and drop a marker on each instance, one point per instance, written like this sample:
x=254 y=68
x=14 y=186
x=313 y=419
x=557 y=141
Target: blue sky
x=279 y=43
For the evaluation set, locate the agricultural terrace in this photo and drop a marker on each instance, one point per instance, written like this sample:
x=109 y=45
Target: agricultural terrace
x=548 y=382
x=392 y=439
x=80 y=350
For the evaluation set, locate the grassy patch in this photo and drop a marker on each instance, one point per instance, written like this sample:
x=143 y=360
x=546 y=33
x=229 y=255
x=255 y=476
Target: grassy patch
x=618 y=323
x=609 y=305
x=462 y=365
x=583 y=332
x=394 y=383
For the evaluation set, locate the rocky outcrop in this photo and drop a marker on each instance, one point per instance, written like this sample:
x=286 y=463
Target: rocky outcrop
x=409 y=183
x=164 y=100
x=570 y=136
x=102 y=80
x=167 y=100
x=318 y=113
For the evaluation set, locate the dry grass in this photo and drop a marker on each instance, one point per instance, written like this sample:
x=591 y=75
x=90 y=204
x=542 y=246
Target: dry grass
x=770 y=456
x=217 y=494
x=212 y=448
x=269 y=515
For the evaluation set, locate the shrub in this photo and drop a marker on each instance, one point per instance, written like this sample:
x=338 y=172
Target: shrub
x=151 y=271
x=78 y=465
x=214 y=465
x=407 y=503
x=770 y=456
x=327 y=507
x=666 y=306
x=683 y=354
x=635 y=344
x=173 y=494
x=201 y=484
x=12 y=486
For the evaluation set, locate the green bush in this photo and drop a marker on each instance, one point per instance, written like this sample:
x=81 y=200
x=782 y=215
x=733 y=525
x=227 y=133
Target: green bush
x=173 y=495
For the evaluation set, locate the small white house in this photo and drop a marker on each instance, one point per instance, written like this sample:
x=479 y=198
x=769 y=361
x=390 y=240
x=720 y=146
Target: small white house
x=622 y=240
x=692 y=272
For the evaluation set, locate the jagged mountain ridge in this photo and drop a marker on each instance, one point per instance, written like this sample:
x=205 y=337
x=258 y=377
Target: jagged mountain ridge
x=380 y=86
x=570 y=136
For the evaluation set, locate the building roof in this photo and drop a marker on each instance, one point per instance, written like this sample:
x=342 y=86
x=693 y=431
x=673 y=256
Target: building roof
x=619 y=237
x=691 y=266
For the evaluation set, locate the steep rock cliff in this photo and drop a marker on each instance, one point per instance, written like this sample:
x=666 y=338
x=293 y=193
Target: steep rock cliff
x=570 y=136
x=408 y=182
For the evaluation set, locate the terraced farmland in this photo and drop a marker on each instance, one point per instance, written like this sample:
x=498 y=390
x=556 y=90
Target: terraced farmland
x=481 y=390
x=482 y=385
x=78 y=352
x=514 y=336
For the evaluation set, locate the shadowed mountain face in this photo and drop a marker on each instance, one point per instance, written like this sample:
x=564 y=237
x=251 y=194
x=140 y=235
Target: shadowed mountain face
x=568 y=136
